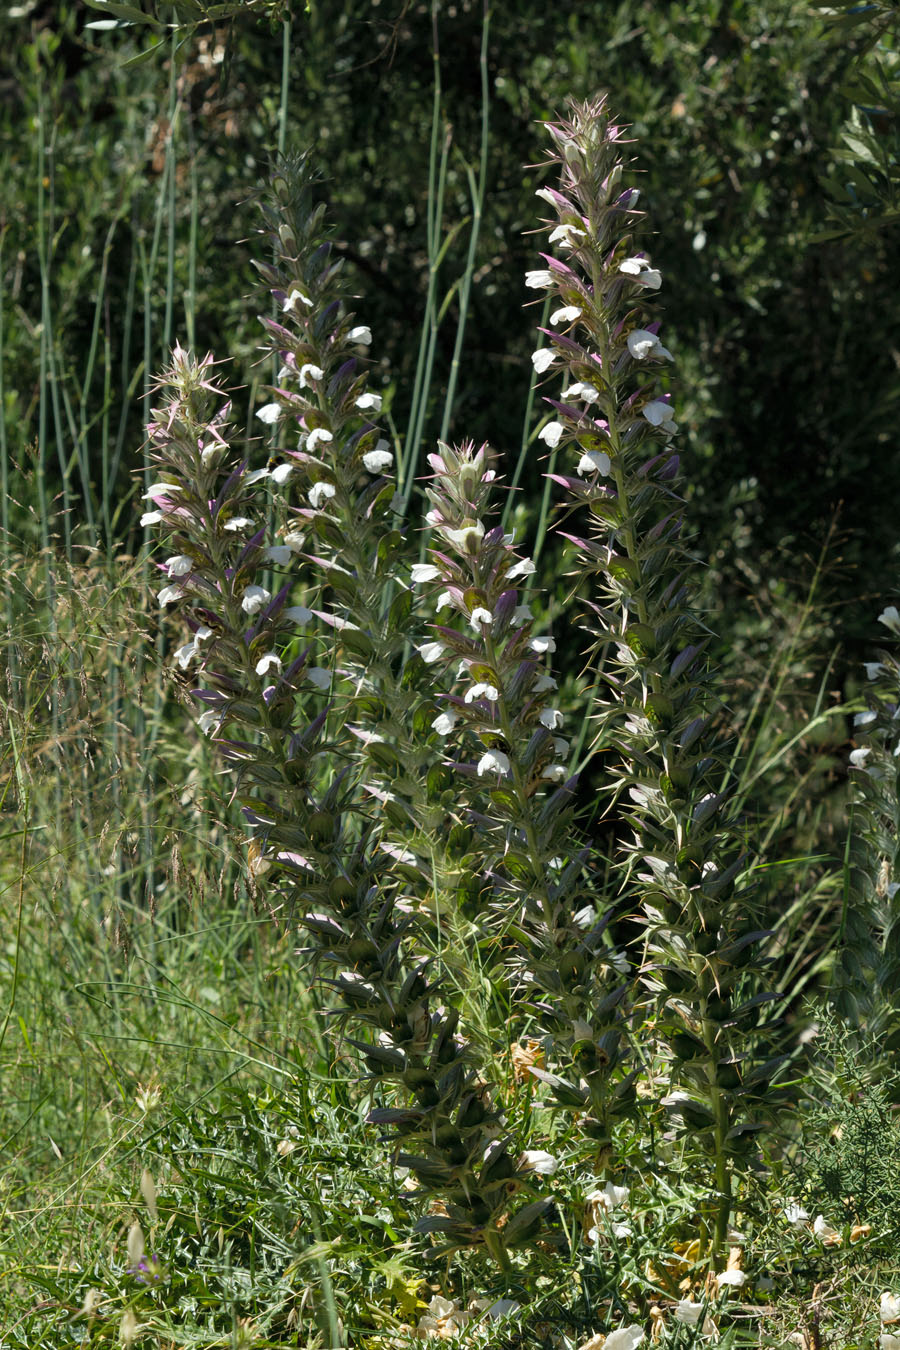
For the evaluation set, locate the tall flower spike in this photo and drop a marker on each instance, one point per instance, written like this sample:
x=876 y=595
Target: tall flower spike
x=871 y=928
x=311 y=844
x=682 y=873
x=530 y=869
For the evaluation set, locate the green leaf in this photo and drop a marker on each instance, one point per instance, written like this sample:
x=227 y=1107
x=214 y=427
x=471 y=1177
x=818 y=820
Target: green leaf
x=122 y=11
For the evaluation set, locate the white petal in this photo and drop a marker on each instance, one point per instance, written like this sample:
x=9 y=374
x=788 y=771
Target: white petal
x=494 y=761
x=185 y=655
x=319 y=677
x=362 y=335
x=480 y=616
x=310 y=372
x=858 y=757
x=523 y=568
x=280 y=554
x=522 y=614
x=239 y=523
x=567 y=314
x=269 y=413
x=298 y=614
x=444 y=723
x=179 y=565
x=281 y=473
x=169 y=594
x=250 y=478
x=424 y=572
x=551 y=434
x=369 y=403
x=543 y=359
x=595 y=461
x=659 y=414
x=551 y=718
x=162 y=490
x=254 y=598
x=319 y=493
x=151 y=517
x=377 y=461
x=538 y=280
x=540 y=645
x=271 y=661
x=626 y=1338
x=292 y=300
x=315 y=436
x=890 y=617
x=536 y=1160
x=431 y=652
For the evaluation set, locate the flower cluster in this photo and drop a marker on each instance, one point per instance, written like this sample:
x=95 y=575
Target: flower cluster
x=615 y=421
x=513 y=774
x=871 y=928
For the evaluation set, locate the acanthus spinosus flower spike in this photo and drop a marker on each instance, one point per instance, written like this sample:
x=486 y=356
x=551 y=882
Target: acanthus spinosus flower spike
x=682 y=869
x=533 y=867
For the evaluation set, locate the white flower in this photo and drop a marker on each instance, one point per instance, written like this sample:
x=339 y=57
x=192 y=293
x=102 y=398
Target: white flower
x=443 y=1319
x=566 y=236
x=169 y=594
x=377 y=460
x=890 y=1307
x=298 y=614
x=642 y=343
x=796 y=1214
x=185 y=655
x=444 y=599
x=178 y=565
x=431 y=652
x=858 y=757
x=539 y=280
x=540 y=645
x=209 y=721
x=551 y=434
x=873 y=668
x=254 y=598
x=536 y=1160
x=238 y=523
x=280 y=554
x=162 y=490
x=250 y=478
x=320 y=677
x=688 y=1313
x=482 y=690
x=731 y=1277
x=424 y=572
x=467 y=538
x=586 y=392
x=444 y=723
x=281 y=473
x=523 y=568
x=611 y=1196
x=479 y=616
x=625 y=1338
x=310 y=372
x=269 y=413
x=210 y=453
x=642 y=272
x=292 y=300
x=369 y=402
x=560 y=746
x=494 y=761
x=316 y=435
x=889 y=617
x=362 y=335
x=543 y=682
x=554 y=773
x=594 y=461
x=660 y=414
x=543 y=359
x=551 y=718
x=522 y=614
x=823 y=1230
x=545 y=195
x=567 y=314
x=270 y=661
x=862 y=719
x=151 y=517
x=319 y=493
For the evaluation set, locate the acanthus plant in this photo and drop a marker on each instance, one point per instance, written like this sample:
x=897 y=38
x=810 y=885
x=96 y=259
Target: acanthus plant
x=684 y=875
x=292 y=728
x=868 y=969
x=538 y=889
